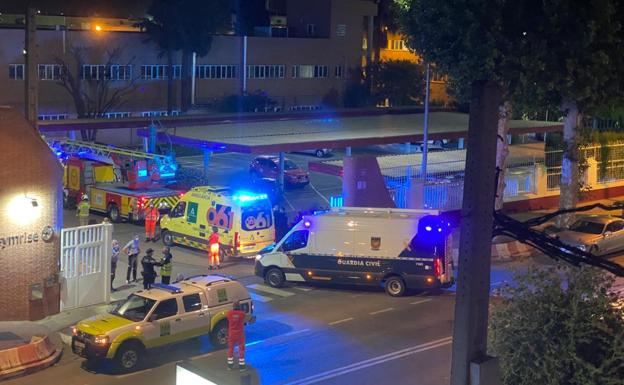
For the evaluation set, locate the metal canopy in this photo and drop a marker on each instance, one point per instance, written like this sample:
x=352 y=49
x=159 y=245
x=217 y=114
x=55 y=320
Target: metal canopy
x=296 y=135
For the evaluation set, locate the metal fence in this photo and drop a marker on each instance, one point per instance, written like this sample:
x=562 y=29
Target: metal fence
x=609 y=159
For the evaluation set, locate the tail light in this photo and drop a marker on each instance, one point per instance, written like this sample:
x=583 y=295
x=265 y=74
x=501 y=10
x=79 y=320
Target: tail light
x=236 y=240
x=437 y=267
x=142 y=202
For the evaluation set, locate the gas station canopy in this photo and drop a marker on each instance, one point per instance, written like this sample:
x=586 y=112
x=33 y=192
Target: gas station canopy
x=306 y=134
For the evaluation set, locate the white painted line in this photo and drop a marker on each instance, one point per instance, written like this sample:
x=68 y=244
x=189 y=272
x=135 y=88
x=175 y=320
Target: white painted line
x=319 y=194
x=420 y=301
x=260 y=298
x=382 y=311
x=270 y=290
x=133 y=373
x=372 y=361
x=303 y=288
x=341 y=321
x=202 y=356
x=288 y=202
x=293 y=333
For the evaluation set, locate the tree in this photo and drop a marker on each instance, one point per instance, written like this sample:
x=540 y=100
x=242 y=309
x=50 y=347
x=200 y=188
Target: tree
x=161 y=28
x=98 y=89
x=572 y=334
x=399 y=81
x=253 y=14
x=573 y=62
x=188 y=26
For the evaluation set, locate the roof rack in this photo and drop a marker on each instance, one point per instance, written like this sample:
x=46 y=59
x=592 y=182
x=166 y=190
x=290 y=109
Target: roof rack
x=169 y=288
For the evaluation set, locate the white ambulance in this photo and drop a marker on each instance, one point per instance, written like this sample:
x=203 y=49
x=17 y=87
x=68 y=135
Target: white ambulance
x=397 y=248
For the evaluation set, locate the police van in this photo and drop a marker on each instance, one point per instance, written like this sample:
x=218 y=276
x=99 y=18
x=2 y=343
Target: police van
x=244 y=220
x=397 y=248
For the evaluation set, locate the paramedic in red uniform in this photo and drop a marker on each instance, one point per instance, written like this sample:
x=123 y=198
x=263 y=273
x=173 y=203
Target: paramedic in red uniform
x=236 y=335
x=151 y=218
x=213 y=250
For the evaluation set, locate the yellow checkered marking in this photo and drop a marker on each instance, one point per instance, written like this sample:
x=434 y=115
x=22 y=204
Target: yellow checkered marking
x=170 y=200
x=193 y=244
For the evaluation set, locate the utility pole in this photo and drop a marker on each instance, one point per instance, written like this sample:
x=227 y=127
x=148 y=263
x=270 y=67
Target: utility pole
x=31 y=82
x=471 y=365
x=425 y=146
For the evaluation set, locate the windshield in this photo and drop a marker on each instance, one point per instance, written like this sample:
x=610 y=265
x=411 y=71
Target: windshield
x=583 y=226
x=290 y=165
x=134 y=308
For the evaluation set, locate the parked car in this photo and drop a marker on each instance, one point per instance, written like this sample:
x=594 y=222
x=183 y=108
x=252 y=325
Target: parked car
x=597 y=234
x=267 y=166
x=432 y=145
x=319 y=152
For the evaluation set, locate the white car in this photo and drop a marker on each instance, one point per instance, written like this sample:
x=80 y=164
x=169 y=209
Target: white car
x=319 y=152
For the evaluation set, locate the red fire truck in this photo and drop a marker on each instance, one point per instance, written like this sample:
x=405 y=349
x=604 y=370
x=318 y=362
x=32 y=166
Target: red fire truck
x=119 y=182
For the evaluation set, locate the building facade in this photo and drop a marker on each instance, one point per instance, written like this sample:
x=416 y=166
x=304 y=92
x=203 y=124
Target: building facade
x=306 y=67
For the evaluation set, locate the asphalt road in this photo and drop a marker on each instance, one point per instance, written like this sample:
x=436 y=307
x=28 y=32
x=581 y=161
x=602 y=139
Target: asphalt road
x=304 y=335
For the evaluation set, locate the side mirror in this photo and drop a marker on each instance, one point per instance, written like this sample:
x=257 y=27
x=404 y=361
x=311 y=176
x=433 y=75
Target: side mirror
x=607 y=234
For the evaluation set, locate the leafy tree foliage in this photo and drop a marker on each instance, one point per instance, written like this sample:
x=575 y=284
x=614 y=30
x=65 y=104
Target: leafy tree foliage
x=559 y=326
x=399 y=81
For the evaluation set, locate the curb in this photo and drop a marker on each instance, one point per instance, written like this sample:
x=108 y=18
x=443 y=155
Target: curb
x=510 y=251
x=38 y=354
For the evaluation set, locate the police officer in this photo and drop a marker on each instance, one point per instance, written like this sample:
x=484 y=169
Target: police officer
x=82 y=210
x=132 y=250
x=166 y=266
x=116 y=249
x=148 y=263
x=213 y=249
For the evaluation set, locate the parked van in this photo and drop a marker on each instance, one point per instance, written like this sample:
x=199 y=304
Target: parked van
x=244 y=220
x=398 y=249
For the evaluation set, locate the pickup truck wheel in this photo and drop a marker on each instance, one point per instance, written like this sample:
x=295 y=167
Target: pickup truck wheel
x=128 y=356
x=275 y=277
x=219 y=335
x=167 y=238
x=395 y=286
x=113 y=213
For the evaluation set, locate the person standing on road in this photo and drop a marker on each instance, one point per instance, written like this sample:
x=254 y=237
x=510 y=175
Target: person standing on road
x=132 y=250
x=166 y=266
x=213 y=249
x=151 y=217
x=237 y=319
x=148 y=263
x=116 y=249
x=82 y=210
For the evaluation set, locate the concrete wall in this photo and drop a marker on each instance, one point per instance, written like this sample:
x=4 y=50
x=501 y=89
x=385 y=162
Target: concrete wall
x=29 y=261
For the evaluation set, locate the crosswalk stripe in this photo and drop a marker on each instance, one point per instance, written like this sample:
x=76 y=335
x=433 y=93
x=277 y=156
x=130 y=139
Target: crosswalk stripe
x=270 y=290
x=260 y=298
x=302 y=288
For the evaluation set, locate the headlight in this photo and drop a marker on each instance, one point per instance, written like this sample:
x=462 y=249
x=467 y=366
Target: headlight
x=101 y=340
x=258 y=257
x=74 y=331
x=582 y=247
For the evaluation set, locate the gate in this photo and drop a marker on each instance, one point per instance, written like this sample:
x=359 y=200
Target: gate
x=85 y=265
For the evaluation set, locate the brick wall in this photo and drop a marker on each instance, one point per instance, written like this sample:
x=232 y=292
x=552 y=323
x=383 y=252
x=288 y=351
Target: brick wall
x=29 y=171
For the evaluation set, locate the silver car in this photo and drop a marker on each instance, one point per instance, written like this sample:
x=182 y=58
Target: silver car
x=597 y=234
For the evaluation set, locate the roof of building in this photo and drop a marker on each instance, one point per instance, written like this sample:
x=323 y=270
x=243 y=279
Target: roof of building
x=330 y=132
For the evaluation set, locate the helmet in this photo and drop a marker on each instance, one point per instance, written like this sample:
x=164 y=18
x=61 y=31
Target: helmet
x=84 y=197
x=149 y=251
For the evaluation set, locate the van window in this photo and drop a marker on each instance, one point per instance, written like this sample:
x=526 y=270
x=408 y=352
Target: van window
x=167 y=308
x=178 y=210
x=257 y=217
x=297 y=240
x=191 y=302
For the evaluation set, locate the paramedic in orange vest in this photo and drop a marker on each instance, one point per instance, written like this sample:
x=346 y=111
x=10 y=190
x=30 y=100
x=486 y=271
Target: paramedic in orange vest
x=237 y=319
x=151 y=218
x=213 y=249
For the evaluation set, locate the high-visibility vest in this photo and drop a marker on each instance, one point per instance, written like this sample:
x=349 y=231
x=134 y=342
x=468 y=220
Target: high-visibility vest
x=83 y=209
x=165 y=269
x=152 y=214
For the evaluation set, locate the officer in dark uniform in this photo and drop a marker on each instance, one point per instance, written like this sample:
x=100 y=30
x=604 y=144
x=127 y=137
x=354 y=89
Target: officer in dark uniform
x=149 y=274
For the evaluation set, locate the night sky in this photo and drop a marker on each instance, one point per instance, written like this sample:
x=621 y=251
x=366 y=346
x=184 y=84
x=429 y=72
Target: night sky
x=101 y=8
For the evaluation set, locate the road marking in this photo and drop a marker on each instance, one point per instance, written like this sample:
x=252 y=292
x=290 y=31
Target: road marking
x=303 y=288
x=319 y=194
x=288 y=202
x=202 y=356
x=372 y=361
x=133 y=373
x=341 y=321
x=260 y=298
x=270 y=290
x=382 y=311
x=420 y=301
x=293 y=333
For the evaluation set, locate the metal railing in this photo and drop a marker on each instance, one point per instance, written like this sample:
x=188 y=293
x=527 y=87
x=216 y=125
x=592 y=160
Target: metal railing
x=609 y=159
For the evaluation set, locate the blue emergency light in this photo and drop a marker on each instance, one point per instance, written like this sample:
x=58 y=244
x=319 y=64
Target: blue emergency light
x=244 y=197
x=142 y=173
